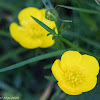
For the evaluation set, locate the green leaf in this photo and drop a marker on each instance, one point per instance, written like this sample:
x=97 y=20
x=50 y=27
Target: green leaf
x=44 y=26
x=38 y=58
x=48 y=66
x=50 y=78
x=55 y=94
x=80 y=9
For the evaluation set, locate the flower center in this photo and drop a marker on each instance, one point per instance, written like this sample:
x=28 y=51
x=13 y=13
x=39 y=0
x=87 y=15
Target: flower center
x=34 y=30
x=74 y=77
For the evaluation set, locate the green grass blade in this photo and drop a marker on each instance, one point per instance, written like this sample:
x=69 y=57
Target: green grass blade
x=38 y=58
x=81 y=9
x=44 y=26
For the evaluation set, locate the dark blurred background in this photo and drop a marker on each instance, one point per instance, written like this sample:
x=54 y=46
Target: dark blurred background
x=28 y=82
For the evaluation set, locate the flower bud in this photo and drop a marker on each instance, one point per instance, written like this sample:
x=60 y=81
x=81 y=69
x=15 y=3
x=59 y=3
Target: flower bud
x=51 y=14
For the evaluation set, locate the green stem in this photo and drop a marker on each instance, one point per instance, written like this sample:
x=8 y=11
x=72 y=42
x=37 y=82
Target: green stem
x=57 y=22
x=58 y=43
x=73 y=46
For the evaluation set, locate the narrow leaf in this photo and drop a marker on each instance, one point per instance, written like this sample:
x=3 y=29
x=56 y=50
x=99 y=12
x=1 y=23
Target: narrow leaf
x=80 y=9
x=38 y=58
x=44 y=26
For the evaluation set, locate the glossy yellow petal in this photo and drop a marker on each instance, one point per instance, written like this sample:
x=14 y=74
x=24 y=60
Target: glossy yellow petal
x=70 y=58
x=47 y=41
x=30 y=43
x=23 y=37
x=56 y=70
x=79 y=71
x=42 y=13
x=89 y=84
x=68 y=89
x=30 y=34
x=16 y=31
x=90 y=64
x=25 y=15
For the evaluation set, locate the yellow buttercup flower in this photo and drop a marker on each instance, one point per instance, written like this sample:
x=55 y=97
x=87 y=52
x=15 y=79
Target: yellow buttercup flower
x=30 y=34
x=76 y=73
